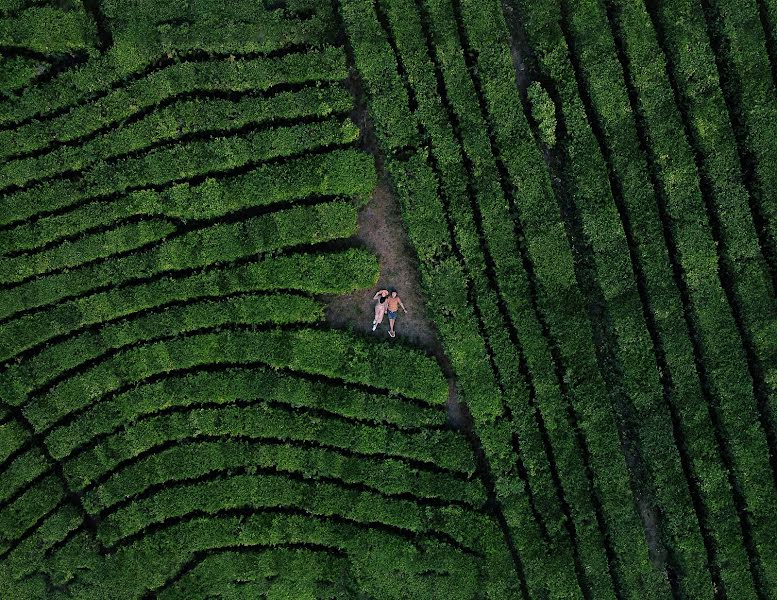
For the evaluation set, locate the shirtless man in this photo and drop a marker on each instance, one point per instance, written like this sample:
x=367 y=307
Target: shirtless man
x=393 y=303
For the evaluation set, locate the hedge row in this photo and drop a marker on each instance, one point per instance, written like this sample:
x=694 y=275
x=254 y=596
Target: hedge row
x=615 y=285
x=757 y=106
x=445 y=287
x=294 y=572
x=167 y=166
x=749 y=72
x=326 y=353
x=22 y=378
x=424 y=568
x=482 y=183
x=194 y=118
x=121 y=239
x=386 y=96
x=195 y=249
x=692 y=240
x=22 y=470
x=12 y=437
x=210 y=458
x=12 y=6
x=552 y=282
x=49 y=30
x=27 y=509
x=240 y=27
x=330 y=273
x=29 y=555
x=337 y=173
x=138 y=50
x=268 y=491
x=433 y=451
x=741 y=257
x=169 y=83
x=18 y=71
x=603 y=77
x=229 y=385
x=552 y=399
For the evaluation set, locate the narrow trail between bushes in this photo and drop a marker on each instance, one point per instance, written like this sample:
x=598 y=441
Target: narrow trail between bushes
x=381 y=230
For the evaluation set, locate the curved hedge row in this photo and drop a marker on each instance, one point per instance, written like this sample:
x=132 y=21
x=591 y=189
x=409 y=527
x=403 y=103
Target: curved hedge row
x=177 y=420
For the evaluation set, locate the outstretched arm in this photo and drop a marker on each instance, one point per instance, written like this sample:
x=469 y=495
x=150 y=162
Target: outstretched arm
x=403 y=306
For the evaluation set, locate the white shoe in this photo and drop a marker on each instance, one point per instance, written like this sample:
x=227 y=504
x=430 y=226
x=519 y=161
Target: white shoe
x=374 y=325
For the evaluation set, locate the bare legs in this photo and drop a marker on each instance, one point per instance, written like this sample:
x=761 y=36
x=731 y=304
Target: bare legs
x=379 y=312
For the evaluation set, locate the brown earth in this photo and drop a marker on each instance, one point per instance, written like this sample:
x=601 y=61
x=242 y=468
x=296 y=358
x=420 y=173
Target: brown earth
x=381 y=231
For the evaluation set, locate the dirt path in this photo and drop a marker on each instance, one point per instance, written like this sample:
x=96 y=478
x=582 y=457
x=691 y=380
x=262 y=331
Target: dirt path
x=381 y=231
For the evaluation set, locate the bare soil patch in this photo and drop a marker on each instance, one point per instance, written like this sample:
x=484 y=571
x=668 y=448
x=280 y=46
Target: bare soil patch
x=381 y=231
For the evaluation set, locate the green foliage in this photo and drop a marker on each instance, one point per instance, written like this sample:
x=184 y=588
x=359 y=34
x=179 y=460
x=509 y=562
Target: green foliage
x=328 y=353
x=232 y=384
x=389 y=476
x=544 y=112
x=71 y=254
x=33 y=504
x=255 y=75
x=12 y=436
x=347 y=173
x=387 y=97
x=271 y=425
x=213 y=117
x=178 y=421
x=137 y=47
x=331 y=273
x=15 y=71
x=57 y=359
x=292 y=572
x=198 y=248
x=696 y=252
x=22 y=470
x=49 y=30
x=179 y=162
x=30 y=554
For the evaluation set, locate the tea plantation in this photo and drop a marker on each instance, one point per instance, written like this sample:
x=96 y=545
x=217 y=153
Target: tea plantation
x=589 y=193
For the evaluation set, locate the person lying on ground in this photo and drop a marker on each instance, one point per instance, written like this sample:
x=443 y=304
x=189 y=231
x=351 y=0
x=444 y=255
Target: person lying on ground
x=380 y=307
x=392 y=304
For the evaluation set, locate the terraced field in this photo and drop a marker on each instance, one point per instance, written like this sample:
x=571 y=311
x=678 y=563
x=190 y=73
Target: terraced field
x=178 y=419
x=588 y=190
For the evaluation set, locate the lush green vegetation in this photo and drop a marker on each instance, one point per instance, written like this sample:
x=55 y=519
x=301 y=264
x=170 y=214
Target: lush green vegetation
x=606 y=320
x=589 y=189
